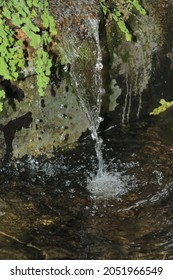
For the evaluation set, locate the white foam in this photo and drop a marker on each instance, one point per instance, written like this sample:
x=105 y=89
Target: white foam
x=110 y=185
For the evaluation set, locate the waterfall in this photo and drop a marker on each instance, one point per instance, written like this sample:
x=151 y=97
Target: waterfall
x=83 y=52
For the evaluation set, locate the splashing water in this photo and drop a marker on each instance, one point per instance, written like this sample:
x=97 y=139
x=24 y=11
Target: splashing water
x=111 y=185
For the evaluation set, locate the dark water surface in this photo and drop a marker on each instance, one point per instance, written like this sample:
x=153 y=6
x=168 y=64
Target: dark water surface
x=47 y=211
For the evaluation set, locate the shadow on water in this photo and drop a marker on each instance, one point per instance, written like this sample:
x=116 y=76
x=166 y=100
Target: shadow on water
x=47 y=211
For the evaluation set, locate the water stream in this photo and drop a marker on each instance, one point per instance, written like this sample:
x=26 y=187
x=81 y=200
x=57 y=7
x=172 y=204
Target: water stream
x=83 y=52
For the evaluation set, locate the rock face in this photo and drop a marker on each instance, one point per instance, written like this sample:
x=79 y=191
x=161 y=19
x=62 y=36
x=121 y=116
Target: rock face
x=140 y=72
x=65 y=11
x=31 y=125
x=135 y=75
x=37 y=125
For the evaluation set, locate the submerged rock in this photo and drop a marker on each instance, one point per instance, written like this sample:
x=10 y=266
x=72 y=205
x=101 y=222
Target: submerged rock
x=3 y=207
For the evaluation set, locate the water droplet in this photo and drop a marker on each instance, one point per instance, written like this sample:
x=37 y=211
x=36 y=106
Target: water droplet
x=99 y=65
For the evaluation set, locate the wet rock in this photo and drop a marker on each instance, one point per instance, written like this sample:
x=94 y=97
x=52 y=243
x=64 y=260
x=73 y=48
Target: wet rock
x=162 y=128
x=3 y=207
x=2 y=146
x=40 y=125
x=67 y=10
x=140 y=71
x=17 y=249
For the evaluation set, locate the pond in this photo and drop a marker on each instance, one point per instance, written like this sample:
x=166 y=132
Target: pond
x=50 y=209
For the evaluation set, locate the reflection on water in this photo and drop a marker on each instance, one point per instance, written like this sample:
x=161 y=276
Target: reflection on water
x=47 y=211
